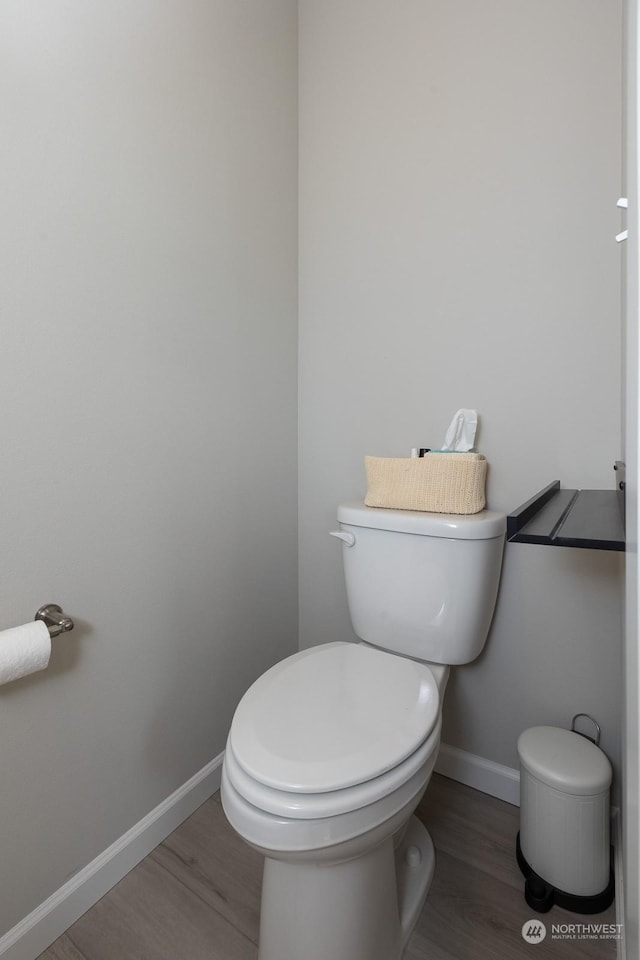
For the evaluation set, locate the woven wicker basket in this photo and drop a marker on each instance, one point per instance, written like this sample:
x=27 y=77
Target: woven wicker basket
x=436 y=483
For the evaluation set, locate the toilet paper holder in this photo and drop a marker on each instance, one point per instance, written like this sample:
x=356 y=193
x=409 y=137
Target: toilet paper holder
x=54 y=619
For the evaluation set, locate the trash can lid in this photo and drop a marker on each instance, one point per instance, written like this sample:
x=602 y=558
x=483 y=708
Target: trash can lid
x=564 y=760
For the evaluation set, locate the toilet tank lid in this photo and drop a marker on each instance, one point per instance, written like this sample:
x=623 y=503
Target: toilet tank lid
x=477 y=526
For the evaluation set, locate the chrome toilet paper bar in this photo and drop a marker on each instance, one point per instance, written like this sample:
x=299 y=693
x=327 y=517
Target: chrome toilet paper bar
x=54 y=619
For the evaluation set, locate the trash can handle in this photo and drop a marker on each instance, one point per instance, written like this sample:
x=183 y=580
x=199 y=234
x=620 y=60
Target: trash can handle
x=595 y=739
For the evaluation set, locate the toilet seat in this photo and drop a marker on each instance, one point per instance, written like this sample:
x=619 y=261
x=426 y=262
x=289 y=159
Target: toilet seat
x=317 y=806
x=322 y=832
x=332 y=729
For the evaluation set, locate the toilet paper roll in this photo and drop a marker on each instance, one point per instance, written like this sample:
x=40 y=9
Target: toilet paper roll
x=24 y=650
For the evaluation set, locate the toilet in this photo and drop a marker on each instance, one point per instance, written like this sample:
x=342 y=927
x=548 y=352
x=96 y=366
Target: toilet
x=331 y=750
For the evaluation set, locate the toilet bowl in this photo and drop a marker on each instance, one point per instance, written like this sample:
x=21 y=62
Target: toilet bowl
x=332 y=815
x=331 y=750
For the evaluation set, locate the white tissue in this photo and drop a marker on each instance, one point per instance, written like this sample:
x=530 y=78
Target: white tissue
x=24 y=650
x=461 y=434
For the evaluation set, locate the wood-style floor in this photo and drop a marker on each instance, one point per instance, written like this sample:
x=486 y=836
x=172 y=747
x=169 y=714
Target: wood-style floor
x=197 y=895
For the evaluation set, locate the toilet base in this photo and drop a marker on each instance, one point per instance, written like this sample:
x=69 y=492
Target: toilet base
x=360 y=909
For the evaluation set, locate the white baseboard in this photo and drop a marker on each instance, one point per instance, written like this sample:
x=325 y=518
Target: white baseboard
x=485 y=775
x=47 y=922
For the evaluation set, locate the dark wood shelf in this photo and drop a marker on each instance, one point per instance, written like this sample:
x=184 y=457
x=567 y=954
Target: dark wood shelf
x=591 y=519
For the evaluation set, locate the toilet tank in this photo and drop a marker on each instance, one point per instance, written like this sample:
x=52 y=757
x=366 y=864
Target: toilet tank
x=422 y=584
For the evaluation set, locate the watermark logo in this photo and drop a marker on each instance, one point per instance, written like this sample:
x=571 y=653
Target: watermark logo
x=534 y=931
x=586 y=931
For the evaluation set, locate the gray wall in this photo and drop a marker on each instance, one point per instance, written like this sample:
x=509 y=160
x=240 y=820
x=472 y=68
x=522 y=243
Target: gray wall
x=460 y=166
x=148 y=401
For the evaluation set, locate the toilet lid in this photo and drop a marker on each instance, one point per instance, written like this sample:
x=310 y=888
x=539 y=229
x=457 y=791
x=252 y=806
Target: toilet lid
x=332 y=717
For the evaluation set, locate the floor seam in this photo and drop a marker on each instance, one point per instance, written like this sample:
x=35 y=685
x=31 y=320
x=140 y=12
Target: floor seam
x=199 y=897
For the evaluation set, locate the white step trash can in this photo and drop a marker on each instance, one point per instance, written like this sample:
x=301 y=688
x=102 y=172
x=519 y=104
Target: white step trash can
x=563 y=847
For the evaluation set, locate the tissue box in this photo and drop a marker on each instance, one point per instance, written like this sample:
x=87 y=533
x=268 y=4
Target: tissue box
x=436 y=483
